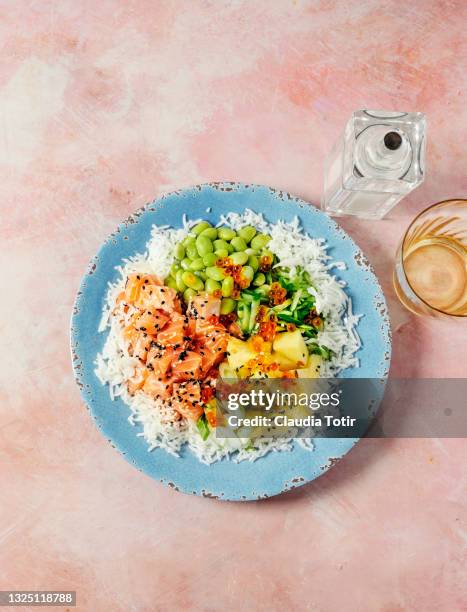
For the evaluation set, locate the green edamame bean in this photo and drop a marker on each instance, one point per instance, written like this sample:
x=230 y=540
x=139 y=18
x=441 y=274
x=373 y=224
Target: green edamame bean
x=259 y=279
x=197 y=264
x=210 y=259
x=170 y=282
x=227 y=286
x=259 y=241
x=188 y=294
x=230 y=248
x=247 y=233
x=204 y=245
x=226 y=233
x=189 y=278
x=221 y=253
x=189 y=239
x=238 y=243
x=215 y=273
x=201 y=274
x=192 y=251
x=179 y=251
x=200 y=227
x=173 y=270
x=248 y=273
x=227 y=306
x=179 y=281
x=185 y=263
x=210 y=233
x=220 y=244
x=251 y=251
x=239 y=258
x=212 y=285
x=253 y=262
x=192 y=281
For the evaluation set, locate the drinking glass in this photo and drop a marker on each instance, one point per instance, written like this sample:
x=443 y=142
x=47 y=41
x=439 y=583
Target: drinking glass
x=430 y=276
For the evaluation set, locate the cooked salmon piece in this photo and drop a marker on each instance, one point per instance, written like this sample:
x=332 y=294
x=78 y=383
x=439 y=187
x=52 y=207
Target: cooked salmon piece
x=141 y=346
x=204 y=327
x=205 y=305
x=174 y=332
x=188 y=410
x=187 y=398
x=130 y=334
x=186 y=365
x=156 y=296
x=209 y=359
x=217 y=342
x=151 y=321
x=190 y=328
x=132 y=288
x=188 y=391
x=155 y=386
x=160 y=359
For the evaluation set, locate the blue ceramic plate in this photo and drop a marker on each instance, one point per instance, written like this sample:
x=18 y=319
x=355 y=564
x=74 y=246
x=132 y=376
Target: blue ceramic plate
x=277 y=472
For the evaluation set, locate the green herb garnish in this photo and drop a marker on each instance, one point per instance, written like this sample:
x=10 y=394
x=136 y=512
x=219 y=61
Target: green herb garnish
x=203 y=427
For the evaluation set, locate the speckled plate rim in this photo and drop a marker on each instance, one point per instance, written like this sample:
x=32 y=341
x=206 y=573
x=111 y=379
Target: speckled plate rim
x=277 y=472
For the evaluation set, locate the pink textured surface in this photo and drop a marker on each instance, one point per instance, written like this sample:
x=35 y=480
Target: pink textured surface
x=104 y=106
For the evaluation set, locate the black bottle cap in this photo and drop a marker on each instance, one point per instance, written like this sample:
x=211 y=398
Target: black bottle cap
x=392 y=140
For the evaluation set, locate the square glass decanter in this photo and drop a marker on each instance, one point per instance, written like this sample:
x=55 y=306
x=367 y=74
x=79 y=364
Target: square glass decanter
x=378 y=160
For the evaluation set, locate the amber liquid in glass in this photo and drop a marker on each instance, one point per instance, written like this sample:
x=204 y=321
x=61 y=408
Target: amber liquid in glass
x=436 y=268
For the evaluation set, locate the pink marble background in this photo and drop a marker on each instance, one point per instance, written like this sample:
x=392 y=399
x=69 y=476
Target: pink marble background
x=105 y=105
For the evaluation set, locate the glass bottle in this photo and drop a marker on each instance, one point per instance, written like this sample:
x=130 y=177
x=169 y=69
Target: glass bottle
x=378 y=160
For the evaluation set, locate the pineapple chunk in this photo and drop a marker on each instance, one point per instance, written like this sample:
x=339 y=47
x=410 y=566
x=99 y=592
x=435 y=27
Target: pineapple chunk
x=284 y=363
x=292 y=346
x=226 y=371
x=312 y=369
x=239 y=353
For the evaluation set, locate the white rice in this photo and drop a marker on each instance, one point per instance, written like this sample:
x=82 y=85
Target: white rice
x=294 y=248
